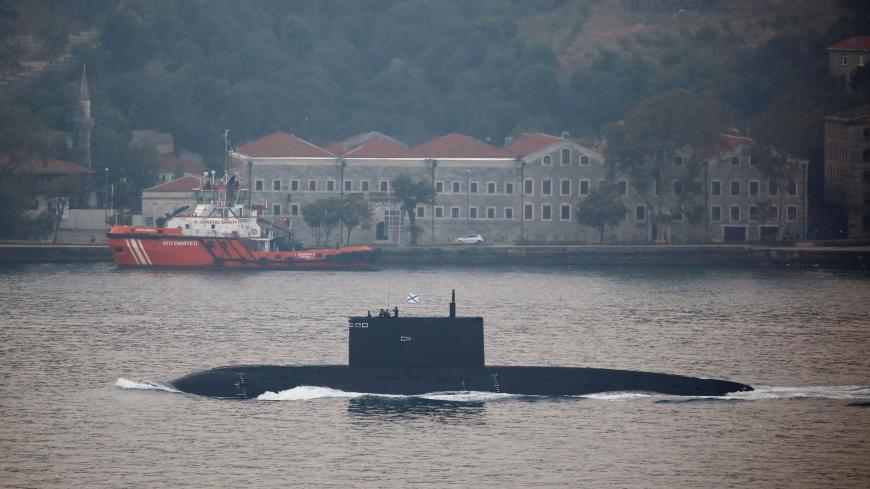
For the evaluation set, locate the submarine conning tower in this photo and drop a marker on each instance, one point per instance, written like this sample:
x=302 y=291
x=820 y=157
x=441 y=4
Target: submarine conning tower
x=440 y=342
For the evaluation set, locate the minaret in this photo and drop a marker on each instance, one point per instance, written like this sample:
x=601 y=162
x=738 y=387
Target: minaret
x=84 y=123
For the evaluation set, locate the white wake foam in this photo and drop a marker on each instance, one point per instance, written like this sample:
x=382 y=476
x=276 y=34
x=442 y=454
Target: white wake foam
x=617 y=396
x=143 y=385
x=308 y=393
x=811 y=392
x=466 y=396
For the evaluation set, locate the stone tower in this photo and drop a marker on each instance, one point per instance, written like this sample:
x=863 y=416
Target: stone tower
x=84 y=123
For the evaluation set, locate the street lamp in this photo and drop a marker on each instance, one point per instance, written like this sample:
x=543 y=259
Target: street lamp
x=467 y=202
x=106 y=197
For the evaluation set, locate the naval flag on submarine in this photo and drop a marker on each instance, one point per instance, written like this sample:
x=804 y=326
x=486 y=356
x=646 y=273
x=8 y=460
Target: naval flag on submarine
x=413 y=298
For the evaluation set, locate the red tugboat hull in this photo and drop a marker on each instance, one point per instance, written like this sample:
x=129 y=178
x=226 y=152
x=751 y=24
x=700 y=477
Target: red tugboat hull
x=169 y=248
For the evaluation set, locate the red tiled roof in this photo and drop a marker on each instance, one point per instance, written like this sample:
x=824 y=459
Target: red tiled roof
x=172 y=163
x=183 y=184
x=530 y=144
x=455 y=145
x=381 y=148
x=46 y=167
x=283 y=145
x=857 y=43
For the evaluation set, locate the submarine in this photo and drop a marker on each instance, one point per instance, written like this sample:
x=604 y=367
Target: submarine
x=419 y=355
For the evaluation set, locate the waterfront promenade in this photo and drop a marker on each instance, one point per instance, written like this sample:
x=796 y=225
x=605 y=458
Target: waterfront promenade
x=801 y=255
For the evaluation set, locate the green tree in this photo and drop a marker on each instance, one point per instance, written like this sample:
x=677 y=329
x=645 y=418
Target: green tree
x=411 y=193
x=355 y=211
x=322 y=216
x=601 y=208
x=664 y=140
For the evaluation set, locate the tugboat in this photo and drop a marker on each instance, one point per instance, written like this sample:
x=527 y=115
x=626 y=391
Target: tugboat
x=223 y=232
x=419 y=355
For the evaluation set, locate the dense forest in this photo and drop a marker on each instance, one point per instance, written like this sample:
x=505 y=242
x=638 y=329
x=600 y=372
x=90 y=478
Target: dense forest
x=414 y=69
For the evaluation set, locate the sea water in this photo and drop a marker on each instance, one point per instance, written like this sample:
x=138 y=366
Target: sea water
x=87 y=353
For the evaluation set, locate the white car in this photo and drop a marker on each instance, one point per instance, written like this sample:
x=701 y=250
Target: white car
x=469 y=239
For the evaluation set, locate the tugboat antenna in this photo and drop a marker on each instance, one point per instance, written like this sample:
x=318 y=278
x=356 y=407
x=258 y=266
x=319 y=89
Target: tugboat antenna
x=453 y=304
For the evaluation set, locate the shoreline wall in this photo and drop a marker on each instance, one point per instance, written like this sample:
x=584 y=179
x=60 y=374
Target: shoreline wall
x=855 y=258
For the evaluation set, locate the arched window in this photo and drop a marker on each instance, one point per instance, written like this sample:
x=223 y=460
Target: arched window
x=566 y=157
x=584 y=160
x=735 y=161
x=548 y=160
x=678 y=161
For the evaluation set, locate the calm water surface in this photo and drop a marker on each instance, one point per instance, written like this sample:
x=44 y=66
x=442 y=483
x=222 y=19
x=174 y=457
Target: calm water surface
x=68 y=333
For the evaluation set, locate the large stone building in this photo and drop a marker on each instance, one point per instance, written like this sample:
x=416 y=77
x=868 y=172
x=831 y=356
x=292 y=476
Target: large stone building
x=846 y=56
x=847 y=168
x=526 y=191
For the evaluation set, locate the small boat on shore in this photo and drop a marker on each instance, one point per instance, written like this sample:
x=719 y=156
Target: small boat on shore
x=223 y=232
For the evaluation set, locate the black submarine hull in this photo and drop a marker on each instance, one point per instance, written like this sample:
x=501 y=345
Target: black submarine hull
x=250 y=381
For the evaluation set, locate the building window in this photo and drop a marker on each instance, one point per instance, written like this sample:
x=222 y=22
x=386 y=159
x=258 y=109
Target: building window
x=792 y=188
x=866 y=133
x=547 y=212
x=472 y=187
x=490 y=187
x=772 y=188
x=529 y=187
x=773 y=213
x=791 y=213
x=258 y=185
x=455 y=187
x=330 y=185
x=678 y=161
x=866 y=176
x=294 y=209
x=656 y=185
x=490 y=212
x=565 y=187
x=439 y=212
x=439 y=187
x=454 y=212
x=753 y=188
x=276 y=209
x=472 y=212
x=508 y=188
x=715 y=213
x=528 y=212
x=294 y=185
x=384 y=186
x=276 y=185
x=584 y=187
x=547 y=161
x=735 y=187
x=508 y=212
x=546 y=187
x=348 y=185
x=753 y=213
x=716 y=188
x=735 y=161
x=566 y=157
x=640 y=213
x=735 y=213
x=622 y=187
x=843 y=60
x=584 y=160
x=421 y=212
x=565 y=212
x=364 y=185
x=312 y=185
